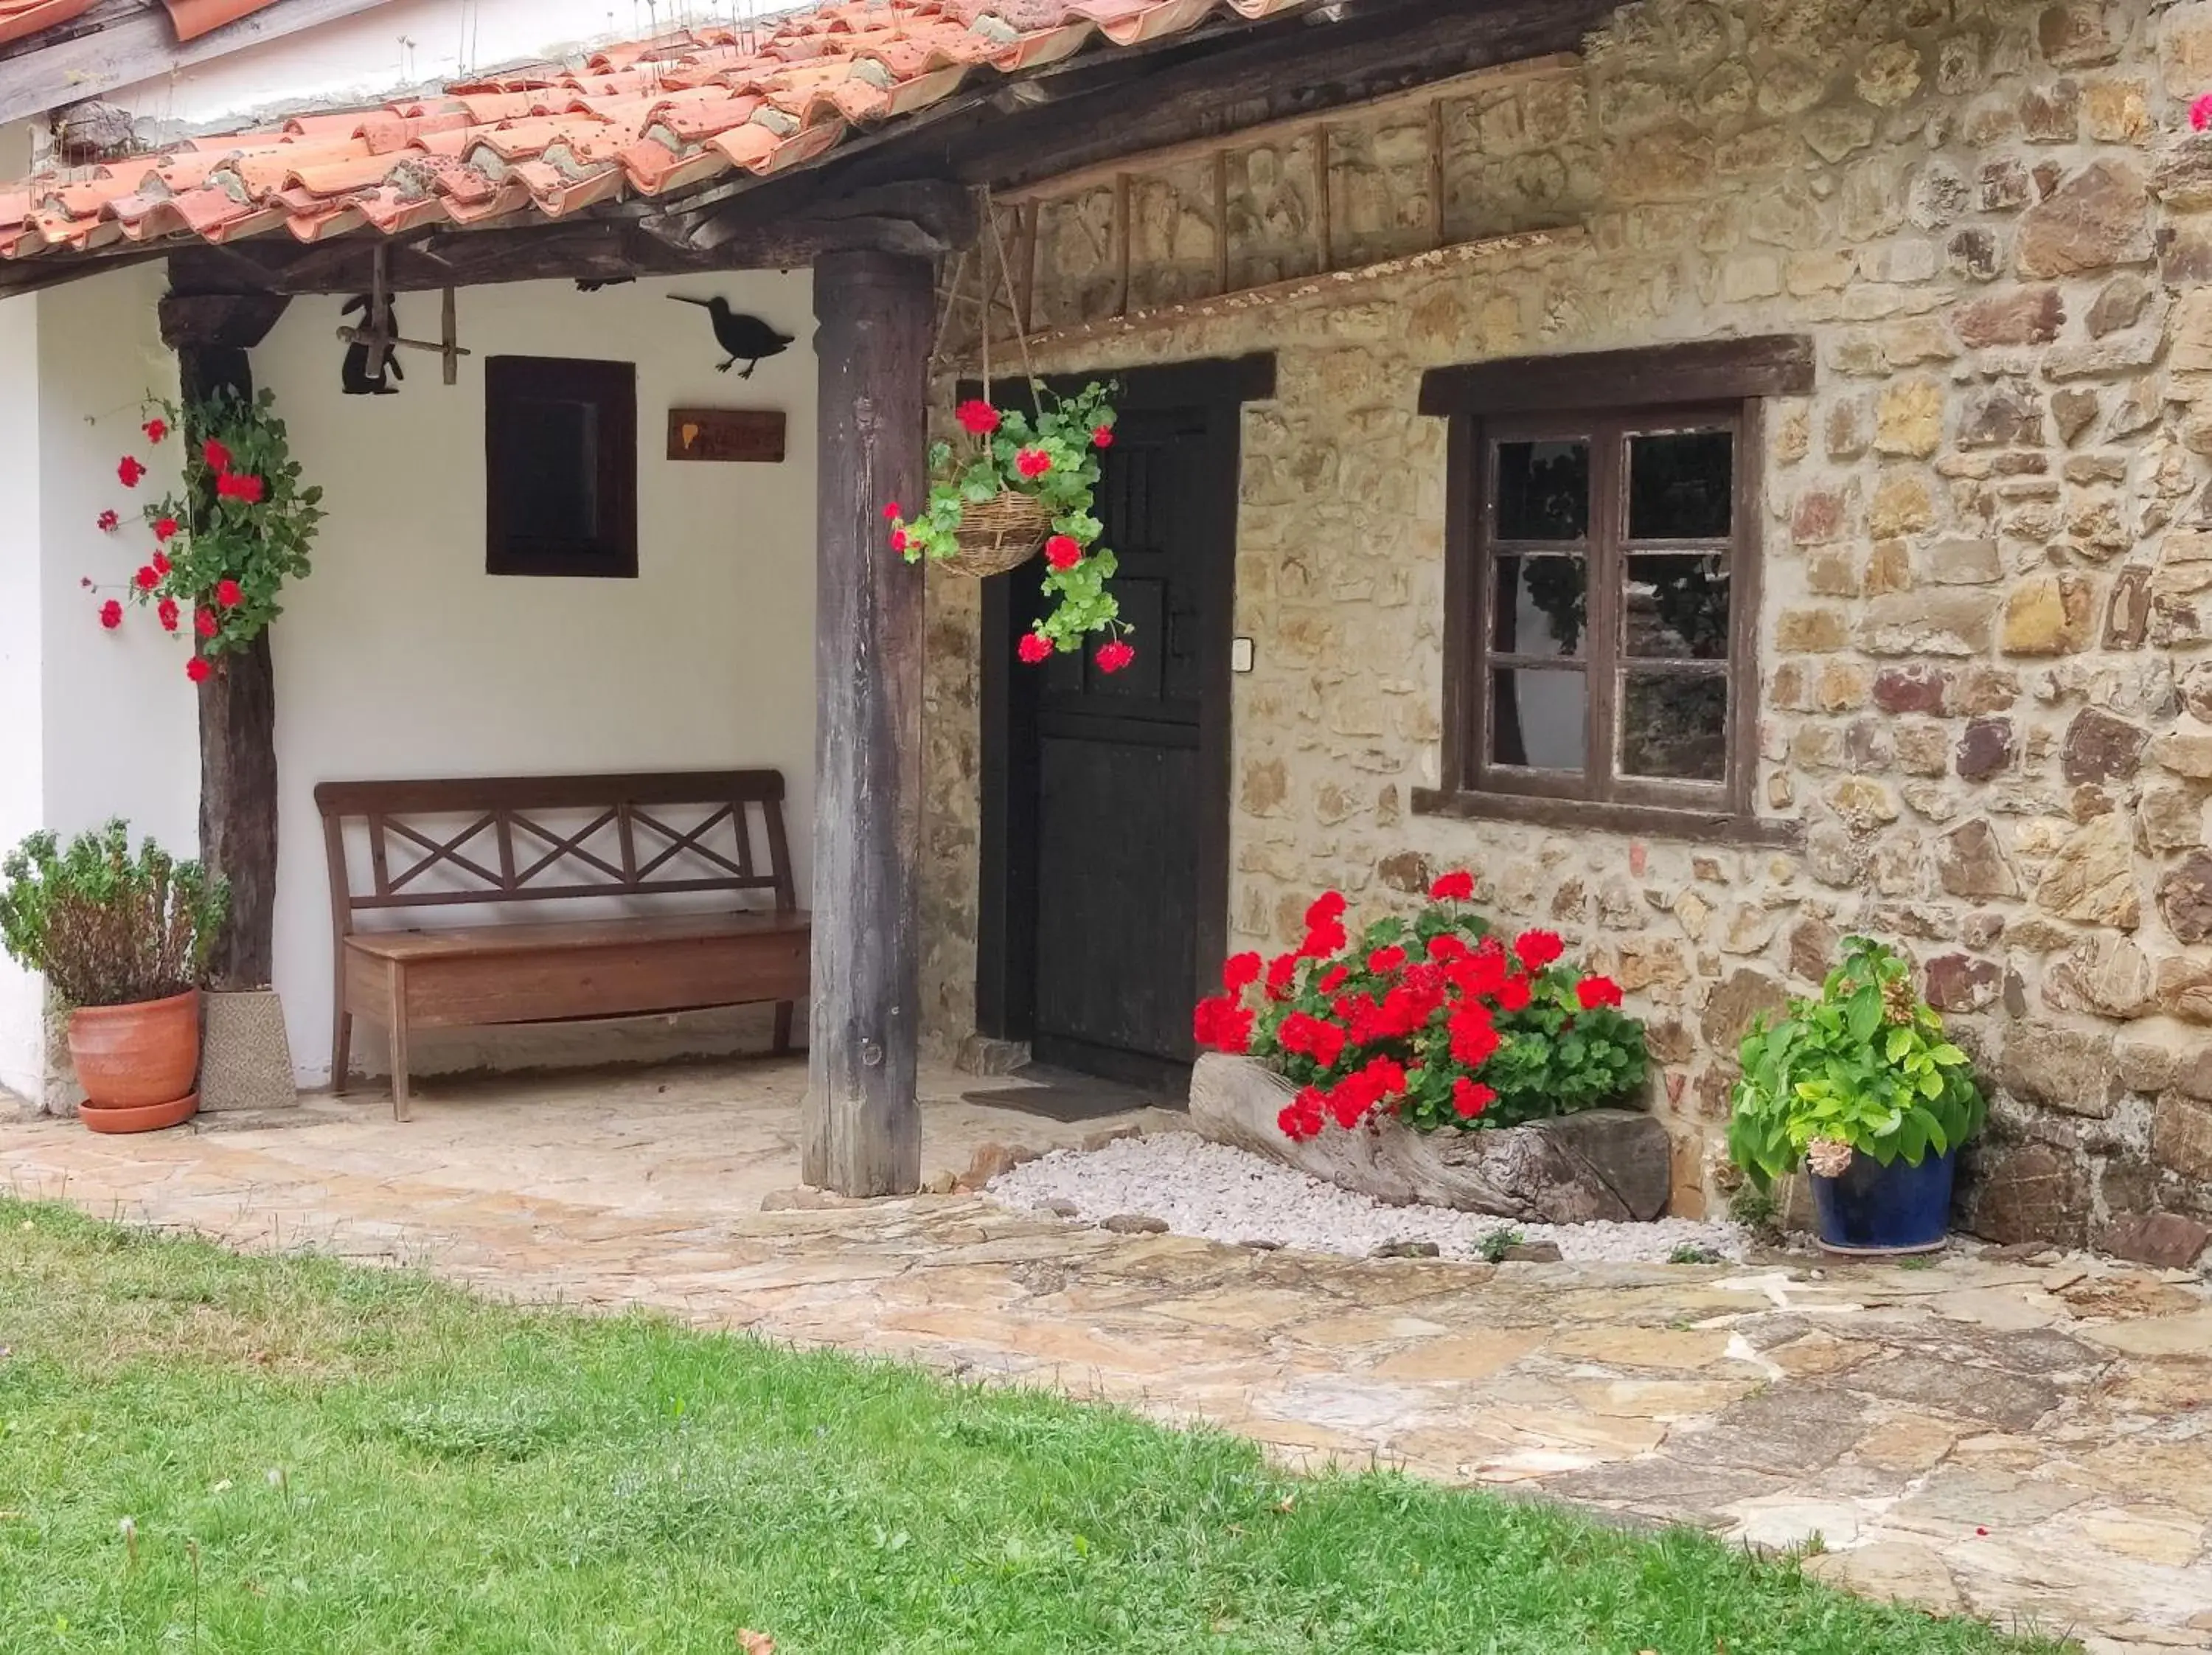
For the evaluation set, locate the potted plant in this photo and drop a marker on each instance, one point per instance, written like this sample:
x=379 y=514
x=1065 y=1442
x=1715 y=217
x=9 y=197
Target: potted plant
x=123 y=942
x=1015 y=481
x=1860 y=1086
x=1405 y=1062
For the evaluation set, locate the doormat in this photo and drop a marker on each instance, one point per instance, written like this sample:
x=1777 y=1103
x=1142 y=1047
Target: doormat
x=1069 y=1098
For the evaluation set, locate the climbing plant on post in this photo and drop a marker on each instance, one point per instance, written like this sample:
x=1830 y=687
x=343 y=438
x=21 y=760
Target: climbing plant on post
x=211 y=335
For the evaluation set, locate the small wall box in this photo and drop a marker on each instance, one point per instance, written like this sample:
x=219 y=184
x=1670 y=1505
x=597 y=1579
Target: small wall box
x=754 y=435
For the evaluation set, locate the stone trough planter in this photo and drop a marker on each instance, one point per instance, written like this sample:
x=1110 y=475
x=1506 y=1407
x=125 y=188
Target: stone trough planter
x=1607 y=1164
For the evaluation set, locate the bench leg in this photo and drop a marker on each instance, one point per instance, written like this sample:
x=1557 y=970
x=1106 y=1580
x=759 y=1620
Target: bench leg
x=783 y=1011
x=341 y=1049
x=397 y=1031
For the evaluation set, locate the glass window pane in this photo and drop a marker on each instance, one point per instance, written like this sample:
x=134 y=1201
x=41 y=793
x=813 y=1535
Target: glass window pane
x=549 y=473
x=1536 y=717
x=1674 y=727
x=1681 y=486
x=1543 y=490
x=1677 y=606
x=1540 y=605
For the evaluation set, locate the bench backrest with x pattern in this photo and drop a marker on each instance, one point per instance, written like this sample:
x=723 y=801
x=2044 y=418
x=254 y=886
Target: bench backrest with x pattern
x=468 y=840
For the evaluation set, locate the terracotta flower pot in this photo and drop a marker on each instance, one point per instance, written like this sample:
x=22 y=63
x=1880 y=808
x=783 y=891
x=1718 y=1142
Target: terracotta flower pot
x=151 y=1118
x=137 y=1058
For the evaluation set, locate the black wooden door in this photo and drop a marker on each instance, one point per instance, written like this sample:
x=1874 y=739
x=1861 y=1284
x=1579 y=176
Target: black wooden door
x=1104 y=857
x=1121 y=790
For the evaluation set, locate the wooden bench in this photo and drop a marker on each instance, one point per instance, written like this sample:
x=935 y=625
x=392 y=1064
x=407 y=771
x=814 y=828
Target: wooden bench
x=464 y=842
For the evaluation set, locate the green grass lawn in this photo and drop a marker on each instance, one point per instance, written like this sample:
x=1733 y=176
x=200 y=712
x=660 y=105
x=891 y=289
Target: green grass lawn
x=313 y=1457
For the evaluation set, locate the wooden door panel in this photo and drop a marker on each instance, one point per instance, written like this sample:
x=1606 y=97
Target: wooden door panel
x=1117 y=932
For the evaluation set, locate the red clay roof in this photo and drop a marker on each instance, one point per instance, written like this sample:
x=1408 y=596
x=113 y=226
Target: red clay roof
x=638 y=117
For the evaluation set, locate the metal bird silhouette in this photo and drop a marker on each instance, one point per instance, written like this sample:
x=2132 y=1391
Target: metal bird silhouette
x=747 y=338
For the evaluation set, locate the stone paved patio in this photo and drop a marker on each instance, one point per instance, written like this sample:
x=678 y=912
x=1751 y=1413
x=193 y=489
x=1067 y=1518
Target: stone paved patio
x=2025 y=1438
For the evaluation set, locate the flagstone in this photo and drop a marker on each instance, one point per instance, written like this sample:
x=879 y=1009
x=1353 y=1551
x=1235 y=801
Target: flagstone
x=1658 y=1399
x=1357 y=1329
x=1897 y=1570
x=2158 y=1534
x=1462 y=1356
x=1911 y=1443
x=1659 y=1347
x=2160 y=1335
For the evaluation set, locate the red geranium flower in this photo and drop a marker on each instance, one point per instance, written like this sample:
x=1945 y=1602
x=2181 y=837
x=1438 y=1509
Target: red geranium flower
x=217 y=456
x=899 y=542
x=167 y=610
x=1223 y=1024
x=165 y=529
x=1471 y=1097
x=1333 y=978
x=108 y=522
x=1282 y=973
x=204 y=623
x=111 y=614
x=1102 y=436
x=239 y=485
x=226 y=593
x=1446 y=946
x=2200 y=112
x=1596 y=991
x=891 y=512
x=1513 y=994
x=976 y=418
x=1063 y=551
x=130 y=471
x=156 y=428
x=1457 y=887
x=1032 y=463
x=160 y=563
x=146 y=578
x=196 y=669
x=1537 y=949
x=1239 y=972
x=1386 y=960
x=1034 y=647
x=1113 y=657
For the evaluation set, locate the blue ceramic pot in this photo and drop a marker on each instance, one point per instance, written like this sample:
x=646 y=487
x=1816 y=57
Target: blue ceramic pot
x=1877 y=1209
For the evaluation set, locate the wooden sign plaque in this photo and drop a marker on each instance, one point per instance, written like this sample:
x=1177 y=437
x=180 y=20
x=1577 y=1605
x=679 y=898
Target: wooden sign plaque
x=727 y=434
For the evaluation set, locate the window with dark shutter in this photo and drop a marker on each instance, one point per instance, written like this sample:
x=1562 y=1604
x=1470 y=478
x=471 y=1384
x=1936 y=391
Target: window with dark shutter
x=560 y=467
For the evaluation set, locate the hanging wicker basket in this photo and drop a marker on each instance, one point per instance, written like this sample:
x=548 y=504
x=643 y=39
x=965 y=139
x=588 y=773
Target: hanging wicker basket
x=998 y=534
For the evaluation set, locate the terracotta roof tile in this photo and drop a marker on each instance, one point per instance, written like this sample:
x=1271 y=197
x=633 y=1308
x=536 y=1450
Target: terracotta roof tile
x=638 y=117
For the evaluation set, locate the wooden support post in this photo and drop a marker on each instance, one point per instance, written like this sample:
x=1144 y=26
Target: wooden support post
x=211 y=335
x=860 y=1128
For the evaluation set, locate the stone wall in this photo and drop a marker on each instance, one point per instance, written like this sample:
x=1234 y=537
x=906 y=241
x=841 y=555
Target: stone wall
x=1986 y=699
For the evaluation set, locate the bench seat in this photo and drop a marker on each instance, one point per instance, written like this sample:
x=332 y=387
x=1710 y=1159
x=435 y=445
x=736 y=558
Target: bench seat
x=494 y=841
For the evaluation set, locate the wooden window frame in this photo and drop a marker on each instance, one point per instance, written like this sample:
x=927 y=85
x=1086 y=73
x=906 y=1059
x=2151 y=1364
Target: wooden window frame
x=1604 y=397
x=611 y=388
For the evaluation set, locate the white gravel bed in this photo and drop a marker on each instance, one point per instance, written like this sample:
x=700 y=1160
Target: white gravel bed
x=1202 y=1189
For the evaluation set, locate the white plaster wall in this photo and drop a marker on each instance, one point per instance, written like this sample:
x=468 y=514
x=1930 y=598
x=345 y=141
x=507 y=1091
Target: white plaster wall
x=401 y=657
x=414 y=43
x=120 y=721
x=21 y=783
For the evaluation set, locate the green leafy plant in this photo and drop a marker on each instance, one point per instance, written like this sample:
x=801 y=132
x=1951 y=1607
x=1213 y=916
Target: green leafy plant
x=1433 y=1020
x=226 y=546
x=106 y=928
x=1497 y=1244
x=1051 y=455
x=1864 y=1067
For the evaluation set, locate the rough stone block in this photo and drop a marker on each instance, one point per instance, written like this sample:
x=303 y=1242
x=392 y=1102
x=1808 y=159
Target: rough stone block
x=1602 y=1164
x=2069 y=1069
x=2166 y=1241
x=2048 y=615
x=2092 y=220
